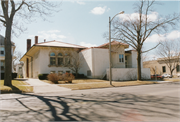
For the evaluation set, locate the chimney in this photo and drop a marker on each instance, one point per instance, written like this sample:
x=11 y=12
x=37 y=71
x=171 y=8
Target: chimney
x=28 y=44
x=36 y=39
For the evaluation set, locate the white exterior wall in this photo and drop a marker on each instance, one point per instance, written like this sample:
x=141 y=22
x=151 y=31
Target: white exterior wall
x=115 y=57
x=100 y=62
x=121 y=74
x=132 y=59
x=36 y=64
x=86 y=62
x=97 y=61
x=44 y=61
x=25 y=66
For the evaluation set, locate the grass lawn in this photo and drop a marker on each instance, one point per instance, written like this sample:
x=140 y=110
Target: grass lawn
x=76 y=81
x=91 y=83
x=18 y=87
x=172 y=79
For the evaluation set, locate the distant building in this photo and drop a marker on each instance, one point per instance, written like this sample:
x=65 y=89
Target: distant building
x=19 y=70
x=54 y=56
x=2 y=54
x=160 y=66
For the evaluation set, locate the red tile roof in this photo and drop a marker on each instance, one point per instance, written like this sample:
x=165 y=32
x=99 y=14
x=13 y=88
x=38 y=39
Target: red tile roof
x=113 y=43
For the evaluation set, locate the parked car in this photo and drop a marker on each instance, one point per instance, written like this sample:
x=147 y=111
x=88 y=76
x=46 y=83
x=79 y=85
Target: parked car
x=167 y=76
x=157 y=75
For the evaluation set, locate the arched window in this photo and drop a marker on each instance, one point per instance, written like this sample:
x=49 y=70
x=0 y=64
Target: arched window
x=60 y=59
x=52 y=59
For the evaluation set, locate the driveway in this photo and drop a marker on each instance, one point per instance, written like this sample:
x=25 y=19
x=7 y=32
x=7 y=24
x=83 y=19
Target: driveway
x=158 y=102
x=42 y=87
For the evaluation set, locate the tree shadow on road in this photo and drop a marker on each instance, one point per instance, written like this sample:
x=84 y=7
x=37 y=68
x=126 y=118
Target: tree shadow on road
x=91 y=107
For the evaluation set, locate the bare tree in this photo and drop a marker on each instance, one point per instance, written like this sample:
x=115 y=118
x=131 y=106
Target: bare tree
x=169 y=53
x=75 y=63
x=135 y=30
x=21 y=11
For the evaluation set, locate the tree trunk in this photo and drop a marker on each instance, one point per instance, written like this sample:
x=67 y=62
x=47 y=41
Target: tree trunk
x=139 y=65
x=8 y=56
x=171 y=72
x=76 y=73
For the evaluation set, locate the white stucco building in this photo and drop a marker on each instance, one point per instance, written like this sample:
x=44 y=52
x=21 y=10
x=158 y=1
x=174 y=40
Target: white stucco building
x=54 y=56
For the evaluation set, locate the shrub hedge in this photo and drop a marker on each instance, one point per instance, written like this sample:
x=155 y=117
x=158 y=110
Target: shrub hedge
x=79 y=76
x=43 y=76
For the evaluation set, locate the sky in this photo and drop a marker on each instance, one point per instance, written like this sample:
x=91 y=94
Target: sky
x=85 y=22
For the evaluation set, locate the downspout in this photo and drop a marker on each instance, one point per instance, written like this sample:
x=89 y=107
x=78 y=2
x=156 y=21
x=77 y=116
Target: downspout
x=31 y=65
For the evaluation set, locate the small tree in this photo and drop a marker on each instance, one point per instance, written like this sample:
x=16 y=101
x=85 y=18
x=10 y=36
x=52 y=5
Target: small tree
x=169 y=53
x=135 y=30
x=75 y=62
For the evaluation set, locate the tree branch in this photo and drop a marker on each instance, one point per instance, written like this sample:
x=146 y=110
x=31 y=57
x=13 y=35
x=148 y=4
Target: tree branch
x=20 y=6
x=151 y=48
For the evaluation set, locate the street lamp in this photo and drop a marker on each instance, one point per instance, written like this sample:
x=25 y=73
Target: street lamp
x=110 y=61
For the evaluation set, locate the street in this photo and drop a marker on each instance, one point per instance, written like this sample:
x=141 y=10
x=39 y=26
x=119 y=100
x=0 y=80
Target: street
x=157 y=102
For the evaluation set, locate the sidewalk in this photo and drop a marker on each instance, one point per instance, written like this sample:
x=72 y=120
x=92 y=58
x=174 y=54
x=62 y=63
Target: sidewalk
x=42 y=87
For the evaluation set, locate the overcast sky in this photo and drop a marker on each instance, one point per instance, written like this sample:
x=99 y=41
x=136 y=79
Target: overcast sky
x=85 y=22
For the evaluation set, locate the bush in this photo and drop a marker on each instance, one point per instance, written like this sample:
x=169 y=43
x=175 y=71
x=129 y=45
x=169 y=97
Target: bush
x=53 y=78
x=43 y=76
x=68 y=77
x=14 y=75
x=79 y=76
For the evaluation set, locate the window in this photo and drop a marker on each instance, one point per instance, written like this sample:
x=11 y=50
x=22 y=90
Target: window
x=60 y=59
x=2 y=52
x=88 y=72
x=52 y=72
x=121 y=58
x=178 y=68
x=126 y=58
x=2 y=63
x=2 y=68
x=52 y=54
x=164 y=69
x=52 y=59
x=20 y=67
x=60 y=72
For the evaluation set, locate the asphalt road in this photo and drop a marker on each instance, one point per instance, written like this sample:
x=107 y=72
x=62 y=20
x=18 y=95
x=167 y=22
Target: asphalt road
x=158 y=102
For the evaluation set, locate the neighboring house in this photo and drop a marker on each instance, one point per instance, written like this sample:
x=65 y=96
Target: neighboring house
x=19 y=70
x=51 y=56
x=2 y=54
x=160 y=66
